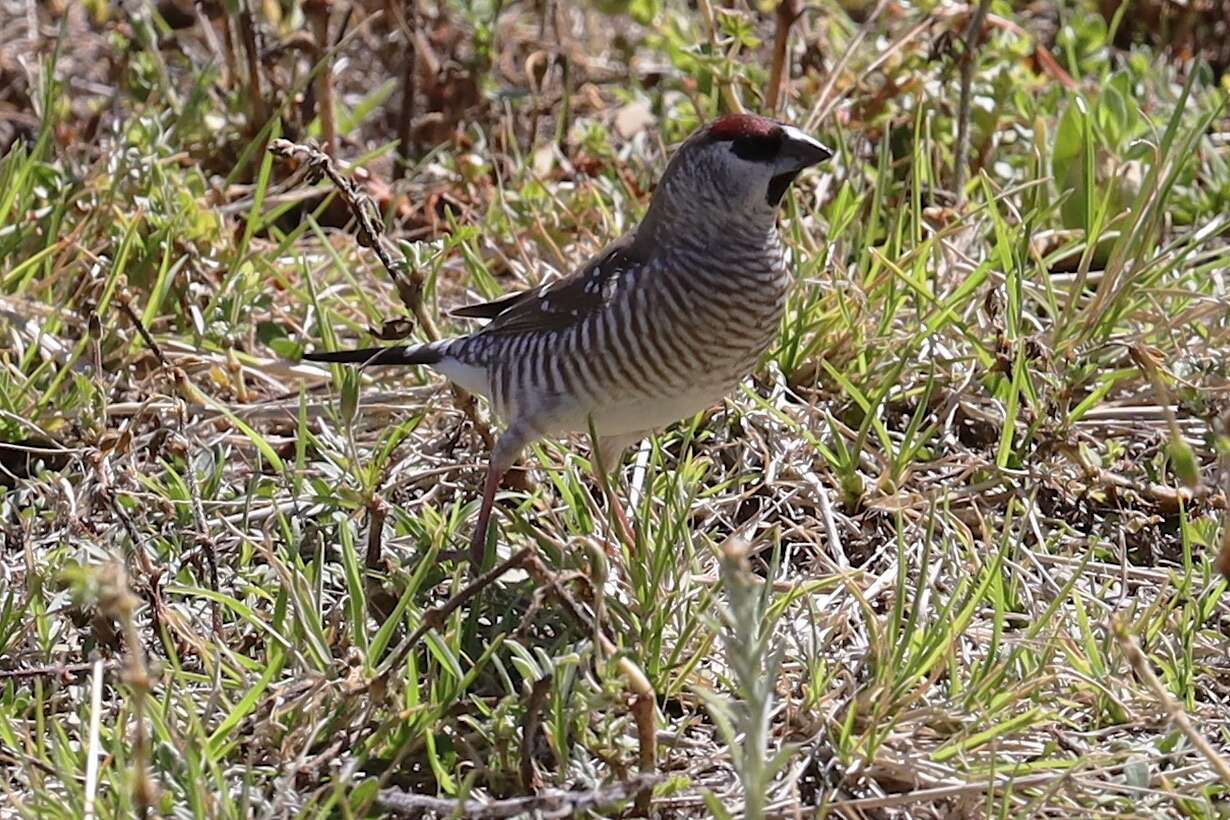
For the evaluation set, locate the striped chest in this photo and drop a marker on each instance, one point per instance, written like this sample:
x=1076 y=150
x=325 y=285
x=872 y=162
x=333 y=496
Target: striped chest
x=673 y=339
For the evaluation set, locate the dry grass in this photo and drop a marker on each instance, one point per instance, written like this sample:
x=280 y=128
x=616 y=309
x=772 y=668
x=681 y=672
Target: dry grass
x=953 y=551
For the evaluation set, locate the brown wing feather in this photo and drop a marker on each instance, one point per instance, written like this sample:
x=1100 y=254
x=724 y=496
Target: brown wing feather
x=556 y=305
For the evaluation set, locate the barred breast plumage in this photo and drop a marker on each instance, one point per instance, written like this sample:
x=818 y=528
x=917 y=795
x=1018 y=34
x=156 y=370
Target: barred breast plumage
x=674 y=334
x=659 y=326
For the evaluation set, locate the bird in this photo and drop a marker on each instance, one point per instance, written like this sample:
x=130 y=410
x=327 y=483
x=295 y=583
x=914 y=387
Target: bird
x=660 y=325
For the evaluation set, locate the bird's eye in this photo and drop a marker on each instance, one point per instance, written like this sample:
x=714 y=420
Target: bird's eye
x=757 y=147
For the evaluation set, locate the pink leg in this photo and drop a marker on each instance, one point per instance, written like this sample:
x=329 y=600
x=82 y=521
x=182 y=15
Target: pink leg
x=478 y=541
x=608 y=452
x=510 y=443
x=622 y=521
x=617 y=518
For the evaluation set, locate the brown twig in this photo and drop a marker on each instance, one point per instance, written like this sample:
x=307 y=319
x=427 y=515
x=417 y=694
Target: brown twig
x=553 y=803
x=644 y=701
x=1150 y=364
x=131 y=313
x=318 y=13
x=230 y=38
x=223 y=58
x=409 y=282
x=380 y=599
x=407 y=148
x=117 y=601
x=204 y=544
x=17 y=758
x=1223 y=552
x=1174 y=710
x=152 y=576
x=256 y=92
x=531 y=782
x=788 y=12
x=60 y=670
x=434 y=617
x=376 y=514
x=968 y=62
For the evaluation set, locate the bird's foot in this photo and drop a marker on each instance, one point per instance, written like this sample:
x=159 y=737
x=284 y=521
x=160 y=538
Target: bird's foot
x=478 y=549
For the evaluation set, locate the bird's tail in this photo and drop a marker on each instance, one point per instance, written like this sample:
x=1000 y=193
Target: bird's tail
x=430 y=353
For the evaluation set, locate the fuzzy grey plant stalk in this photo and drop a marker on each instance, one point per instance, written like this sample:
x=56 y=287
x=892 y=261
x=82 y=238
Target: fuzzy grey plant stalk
x=754 y=662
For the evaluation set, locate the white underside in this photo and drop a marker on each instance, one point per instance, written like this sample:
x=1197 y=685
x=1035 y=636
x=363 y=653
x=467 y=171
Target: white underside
x=643 y=414
x=622 y=417
x=625 y=418
x=468 y=377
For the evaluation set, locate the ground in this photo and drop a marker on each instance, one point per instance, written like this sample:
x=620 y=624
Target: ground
x=955 y=549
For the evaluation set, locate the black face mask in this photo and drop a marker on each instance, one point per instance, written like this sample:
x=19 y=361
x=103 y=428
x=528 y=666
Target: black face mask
x=757 y=148
x=778 y=186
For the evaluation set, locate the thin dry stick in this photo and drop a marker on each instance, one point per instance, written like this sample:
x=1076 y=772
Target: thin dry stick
x=204 y=544
x=969 y=61
x=117 y=601
x=788 y=12
x=318 y=13
x=381 y=602
x=13 y=757
x=60 y=670
x=221 y=58
x=531 y=782
x=1223 y=554
x=1140 y=665
x=434 y=617
x=256 y=94
x=137 y=551
x=554 y=803
x=1149 y=364
x=830 y=522
x=406 y=148
x=410 y=282
x=92 y=749
x=643 y=697
x=826 y=100
x=230 y=39
x=377 y=512
x=370 y=233
x=131 y=313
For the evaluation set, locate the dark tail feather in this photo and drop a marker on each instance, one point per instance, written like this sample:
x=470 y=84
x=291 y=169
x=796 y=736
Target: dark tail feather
x=403 y=354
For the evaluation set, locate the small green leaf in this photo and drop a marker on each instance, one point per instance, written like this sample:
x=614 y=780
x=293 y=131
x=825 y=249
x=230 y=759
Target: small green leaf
x=1183 y=461
x=1136 y=773
x=287 y=348
x=350 y=395
x=1141 y=150
x=268 y=331
x=1069 y=136
x=716 y=809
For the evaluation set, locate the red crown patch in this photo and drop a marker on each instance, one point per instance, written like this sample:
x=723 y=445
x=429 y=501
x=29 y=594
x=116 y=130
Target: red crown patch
x=740 y=126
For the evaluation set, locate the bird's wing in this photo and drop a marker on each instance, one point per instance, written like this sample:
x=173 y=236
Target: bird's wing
x=556 y=305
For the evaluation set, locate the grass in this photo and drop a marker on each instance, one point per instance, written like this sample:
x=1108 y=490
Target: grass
x=955 y=547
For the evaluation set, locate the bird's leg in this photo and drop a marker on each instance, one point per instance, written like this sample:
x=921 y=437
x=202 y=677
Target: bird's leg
x=478 y=541
x=608 y=452
x=617 y=518
x=503 y=455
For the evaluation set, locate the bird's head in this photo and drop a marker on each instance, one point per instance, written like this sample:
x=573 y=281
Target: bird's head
x=741 y=165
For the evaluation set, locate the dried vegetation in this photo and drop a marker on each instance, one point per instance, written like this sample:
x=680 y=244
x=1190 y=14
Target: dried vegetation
x=954 y=551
